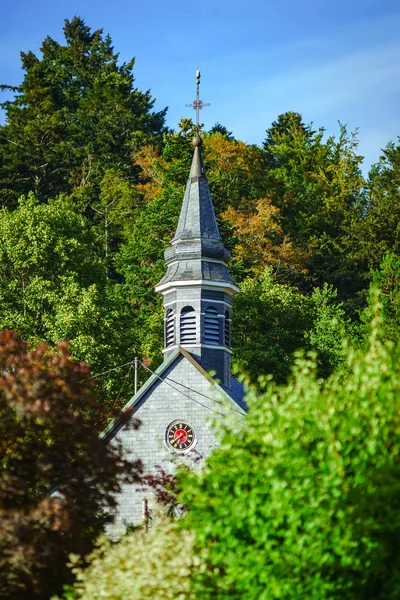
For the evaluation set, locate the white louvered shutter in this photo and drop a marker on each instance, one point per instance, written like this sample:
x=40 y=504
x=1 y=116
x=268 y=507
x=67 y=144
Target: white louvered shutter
x=227 y=331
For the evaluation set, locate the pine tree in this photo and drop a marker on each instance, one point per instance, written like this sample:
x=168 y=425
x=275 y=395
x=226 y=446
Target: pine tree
x=75 y=115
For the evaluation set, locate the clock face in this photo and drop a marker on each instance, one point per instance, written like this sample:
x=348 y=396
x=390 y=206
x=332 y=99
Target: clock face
x=180 y=437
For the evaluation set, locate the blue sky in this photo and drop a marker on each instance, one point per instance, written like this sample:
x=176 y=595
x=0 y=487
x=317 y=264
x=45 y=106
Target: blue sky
x=330 y=60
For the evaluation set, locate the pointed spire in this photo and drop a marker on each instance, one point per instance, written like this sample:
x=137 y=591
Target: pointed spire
x=197 y=286
x=197 y=219
x=197 y=169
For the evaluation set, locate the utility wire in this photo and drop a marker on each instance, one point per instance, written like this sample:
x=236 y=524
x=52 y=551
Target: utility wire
x=165 y=380
x=180 y=391
x=122 y=386
x=201 y=394
x=130 y=363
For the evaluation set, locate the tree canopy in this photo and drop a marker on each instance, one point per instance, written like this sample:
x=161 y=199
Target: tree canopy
x=75 y=115
x=58 y=478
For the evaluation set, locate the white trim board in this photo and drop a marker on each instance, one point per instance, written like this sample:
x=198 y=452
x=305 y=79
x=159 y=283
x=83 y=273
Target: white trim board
x=216 y=285
x=201 y=300
x=212 y=346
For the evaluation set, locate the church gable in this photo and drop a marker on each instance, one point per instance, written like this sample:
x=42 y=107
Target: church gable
x=181 y=394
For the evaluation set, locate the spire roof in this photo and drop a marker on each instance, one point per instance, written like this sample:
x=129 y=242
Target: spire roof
x=197 y=252
x=197 y=219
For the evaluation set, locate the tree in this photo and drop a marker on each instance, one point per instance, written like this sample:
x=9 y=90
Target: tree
x=75 y=115
x=53 y=287
x=385 y=286
x=318 y=186
x=329 y=332
x=49 y=440
x=259 y=241
x=379 y=232
x=272 y=320
x=150 y=565
x=309 y=505
x=218 y=128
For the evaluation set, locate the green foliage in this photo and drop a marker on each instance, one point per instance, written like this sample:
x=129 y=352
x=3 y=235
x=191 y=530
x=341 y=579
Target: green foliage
x=385 y=286
x=53 y=287
x=309 y=505
x=328 y=331
x=153 y=565
x=318 y=187
x=76 y=114
x=269 y=325
x=387 y=280
x=272 y=320
x=379 y=232
x=140 y=260
x=140 y=257
x=49 y=424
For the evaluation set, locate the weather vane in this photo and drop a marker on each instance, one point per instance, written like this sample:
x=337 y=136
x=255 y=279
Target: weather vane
x=198 y=104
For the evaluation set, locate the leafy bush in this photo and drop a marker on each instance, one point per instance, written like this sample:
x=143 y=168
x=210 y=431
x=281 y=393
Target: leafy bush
x=154 y=565
x=302 y=500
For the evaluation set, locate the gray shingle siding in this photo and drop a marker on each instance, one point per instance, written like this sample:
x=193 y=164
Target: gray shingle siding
x=158 y=406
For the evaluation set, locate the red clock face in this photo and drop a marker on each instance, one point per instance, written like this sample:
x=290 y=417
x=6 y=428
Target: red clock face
x=180 y=436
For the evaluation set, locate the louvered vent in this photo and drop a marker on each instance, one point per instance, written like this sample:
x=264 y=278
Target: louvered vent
x=227 y=331
x=169 y=328
x=211 y=326
x=188 y=325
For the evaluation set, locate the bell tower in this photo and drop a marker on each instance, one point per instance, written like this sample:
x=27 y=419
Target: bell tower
x=197 y=287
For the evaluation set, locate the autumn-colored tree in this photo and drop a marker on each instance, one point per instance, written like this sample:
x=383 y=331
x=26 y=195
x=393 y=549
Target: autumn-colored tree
x=236 y=171
x=260 y=241
x=58 y=478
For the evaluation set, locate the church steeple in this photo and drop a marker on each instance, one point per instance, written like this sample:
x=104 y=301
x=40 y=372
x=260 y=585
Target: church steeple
x=197 y=287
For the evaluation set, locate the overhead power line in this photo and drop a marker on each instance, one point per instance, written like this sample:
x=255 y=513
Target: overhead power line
x=167 y=381
x=130 y=363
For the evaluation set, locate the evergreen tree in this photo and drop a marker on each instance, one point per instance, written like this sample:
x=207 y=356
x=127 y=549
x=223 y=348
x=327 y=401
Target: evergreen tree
x=75 y=115
x=318 y=186
x=380 y=232
x=218 y=128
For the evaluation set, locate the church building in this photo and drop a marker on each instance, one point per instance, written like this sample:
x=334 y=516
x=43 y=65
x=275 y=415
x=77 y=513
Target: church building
x=178 y=403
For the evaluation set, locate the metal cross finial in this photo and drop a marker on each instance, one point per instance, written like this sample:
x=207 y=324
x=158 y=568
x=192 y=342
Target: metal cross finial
x=198 y=104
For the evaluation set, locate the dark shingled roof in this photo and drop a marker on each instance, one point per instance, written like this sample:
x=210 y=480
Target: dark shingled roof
x=197 y=251
x=195 y=270
x=197 y=218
